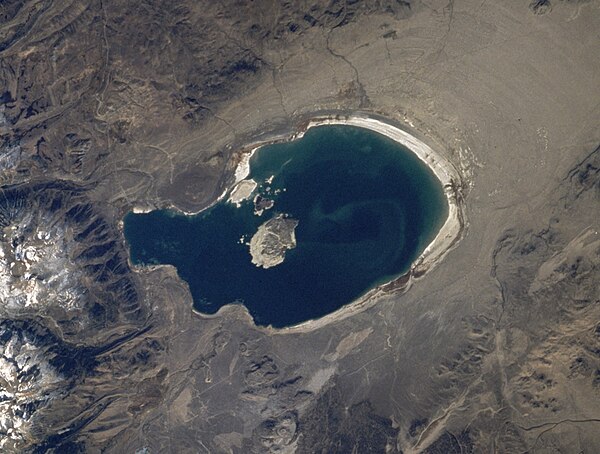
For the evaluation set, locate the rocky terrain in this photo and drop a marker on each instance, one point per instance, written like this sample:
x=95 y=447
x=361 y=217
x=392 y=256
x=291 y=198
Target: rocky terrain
x=110 y=106
x=272 y=239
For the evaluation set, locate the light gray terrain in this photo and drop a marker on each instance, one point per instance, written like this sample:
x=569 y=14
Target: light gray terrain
x=110 y=105
x=270 y=242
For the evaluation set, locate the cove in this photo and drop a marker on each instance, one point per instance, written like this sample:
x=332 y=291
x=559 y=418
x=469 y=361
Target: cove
x=352 y=208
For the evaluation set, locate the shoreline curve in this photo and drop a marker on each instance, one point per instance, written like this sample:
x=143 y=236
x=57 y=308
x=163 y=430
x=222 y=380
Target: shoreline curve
x=447 y=237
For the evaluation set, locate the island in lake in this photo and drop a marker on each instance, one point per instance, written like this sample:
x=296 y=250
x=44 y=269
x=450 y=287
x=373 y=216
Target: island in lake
x=329 y=216
x=273 y=238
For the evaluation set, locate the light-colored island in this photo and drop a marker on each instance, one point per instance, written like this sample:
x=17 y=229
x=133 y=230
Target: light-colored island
x=273 y=238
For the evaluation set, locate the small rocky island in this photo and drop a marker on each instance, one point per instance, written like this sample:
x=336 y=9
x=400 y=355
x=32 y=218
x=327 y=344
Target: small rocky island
x=261 y=204
x=270 y=242
x=242 y=191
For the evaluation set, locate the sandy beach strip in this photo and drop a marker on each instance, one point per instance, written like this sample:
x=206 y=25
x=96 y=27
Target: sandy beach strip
x=443 y=242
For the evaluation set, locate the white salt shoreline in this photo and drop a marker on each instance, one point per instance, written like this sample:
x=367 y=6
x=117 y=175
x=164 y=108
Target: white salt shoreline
x=445 y=239
x=448 y=235
x=445 y=172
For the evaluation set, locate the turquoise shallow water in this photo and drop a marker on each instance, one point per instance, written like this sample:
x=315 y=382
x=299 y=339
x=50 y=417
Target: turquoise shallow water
x=366 y=207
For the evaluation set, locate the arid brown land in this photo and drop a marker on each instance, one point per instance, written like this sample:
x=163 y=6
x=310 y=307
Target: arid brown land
x=110 y=105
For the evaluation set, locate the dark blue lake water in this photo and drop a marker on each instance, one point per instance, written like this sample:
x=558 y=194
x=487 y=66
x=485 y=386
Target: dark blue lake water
x=366 y=208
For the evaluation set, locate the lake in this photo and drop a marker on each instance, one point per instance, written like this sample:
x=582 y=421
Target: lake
x=353 y=210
